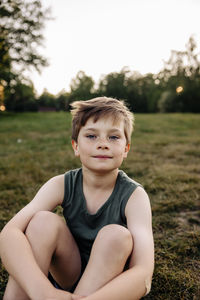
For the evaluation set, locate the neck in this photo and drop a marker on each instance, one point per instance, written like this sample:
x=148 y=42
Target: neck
x=99 y=180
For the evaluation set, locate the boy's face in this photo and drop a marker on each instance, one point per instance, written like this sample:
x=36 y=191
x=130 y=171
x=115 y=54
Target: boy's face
x=102 y=145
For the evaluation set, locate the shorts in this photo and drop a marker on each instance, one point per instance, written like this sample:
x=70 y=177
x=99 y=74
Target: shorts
x=57 y=286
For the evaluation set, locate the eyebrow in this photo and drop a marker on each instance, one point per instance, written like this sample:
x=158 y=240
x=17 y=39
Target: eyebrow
x=95 y=129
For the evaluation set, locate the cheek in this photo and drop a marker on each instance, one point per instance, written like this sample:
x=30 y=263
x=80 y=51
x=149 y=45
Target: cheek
x=84 y=148
x=121 y=149
x=120 y=153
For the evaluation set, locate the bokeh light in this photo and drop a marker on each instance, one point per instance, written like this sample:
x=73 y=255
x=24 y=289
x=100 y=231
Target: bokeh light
x=179 y=89
x=2 y=108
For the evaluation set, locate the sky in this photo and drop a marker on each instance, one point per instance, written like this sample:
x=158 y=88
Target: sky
x=103 y=36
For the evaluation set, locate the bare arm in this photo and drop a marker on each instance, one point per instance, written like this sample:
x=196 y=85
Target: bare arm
x=15 y=250
x=135 y=282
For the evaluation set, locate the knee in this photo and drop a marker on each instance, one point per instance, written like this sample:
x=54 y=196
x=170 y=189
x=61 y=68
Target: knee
x=116 y=238
x=43 y=224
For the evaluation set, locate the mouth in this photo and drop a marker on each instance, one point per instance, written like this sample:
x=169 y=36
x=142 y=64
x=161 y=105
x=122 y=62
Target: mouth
x=102 y=156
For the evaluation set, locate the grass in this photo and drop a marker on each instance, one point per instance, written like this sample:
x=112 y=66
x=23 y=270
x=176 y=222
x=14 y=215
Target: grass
x=164 y=157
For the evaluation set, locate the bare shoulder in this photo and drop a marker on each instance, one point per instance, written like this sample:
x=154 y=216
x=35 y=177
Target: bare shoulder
x=138 y=198
x=52 y=191
x=56 y=181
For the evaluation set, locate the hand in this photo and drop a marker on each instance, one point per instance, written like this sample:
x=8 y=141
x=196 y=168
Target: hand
x=76 y=297
x=63 y=295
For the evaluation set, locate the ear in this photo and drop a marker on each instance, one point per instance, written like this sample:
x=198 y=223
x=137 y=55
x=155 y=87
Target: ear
x=75 y=147
x=127 y=148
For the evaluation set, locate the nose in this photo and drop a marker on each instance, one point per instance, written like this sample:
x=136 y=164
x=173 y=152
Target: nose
x=102 y=144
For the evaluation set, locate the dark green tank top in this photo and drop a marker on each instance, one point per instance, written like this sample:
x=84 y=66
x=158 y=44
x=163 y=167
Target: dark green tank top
x=85 y=226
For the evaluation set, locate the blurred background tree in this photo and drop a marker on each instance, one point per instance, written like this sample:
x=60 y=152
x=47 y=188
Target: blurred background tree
x=63 y=100
x=180 y=81
x=114 y=84
x=47 y=101
x=81 y=87
x=21 y=24
x=20 y=98
x=142 y=93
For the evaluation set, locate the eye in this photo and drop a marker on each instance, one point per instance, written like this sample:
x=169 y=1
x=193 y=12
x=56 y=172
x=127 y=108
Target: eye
x=113 y=137
x=91 y=136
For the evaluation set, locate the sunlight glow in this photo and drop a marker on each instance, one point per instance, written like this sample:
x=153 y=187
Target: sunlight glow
x=2 y=108
x=179 y=89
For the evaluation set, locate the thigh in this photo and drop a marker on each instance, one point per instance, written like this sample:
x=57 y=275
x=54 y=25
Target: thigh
x=54 y=247
x=65 y=265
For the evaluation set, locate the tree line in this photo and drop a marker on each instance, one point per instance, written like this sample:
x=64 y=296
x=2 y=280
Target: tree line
x=176 y=88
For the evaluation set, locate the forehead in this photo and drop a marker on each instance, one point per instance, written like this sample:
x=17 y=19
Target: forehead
x=110 y=122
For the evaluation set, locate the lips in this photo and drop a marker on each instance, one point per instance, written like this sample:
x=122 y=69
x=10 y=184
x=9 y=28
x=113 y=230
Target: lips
x=102 y=156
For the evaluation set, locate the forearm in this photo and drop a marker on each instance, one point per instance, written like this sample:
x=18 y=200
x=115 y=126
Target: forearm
x=130 y=285
x=20 y=263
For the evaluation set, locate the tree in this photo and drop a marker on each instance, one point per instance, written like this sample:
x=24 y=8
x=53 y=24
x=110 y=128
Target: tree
x=5 y=64
x=47 y=101
x=21 y=99
x=81 y=87
x=181 y=70
x=142 y=93
x=139 y=91
x=182 y=63
x=62 y=100
x=21 y=23
x=114 y=84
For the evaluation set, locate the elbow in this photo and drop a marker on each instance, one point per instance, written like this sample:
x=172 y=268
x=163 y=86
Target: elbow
x=149 y=276
x=2 y=238
x=5 y=237
x=145 y=275
x=148 y=282
x=2 y=234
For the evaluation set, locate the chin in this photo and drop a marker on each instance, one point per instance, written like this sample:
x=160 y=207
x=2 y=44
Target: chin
x=103 y=170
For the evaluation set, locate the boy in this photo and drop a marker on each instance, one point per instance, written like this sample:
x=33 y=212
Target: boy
x=105 y=249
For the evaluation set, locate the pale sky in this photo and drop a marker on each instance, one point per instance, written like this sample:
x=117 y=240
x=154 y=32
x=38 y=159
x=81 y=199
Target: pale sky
x=103 y=36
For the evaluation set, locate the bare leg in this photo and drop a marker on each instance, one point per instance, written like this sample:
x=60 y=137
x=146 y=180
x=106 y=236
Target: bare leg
x=14 y=291
x=54 y=249
x=111 y=249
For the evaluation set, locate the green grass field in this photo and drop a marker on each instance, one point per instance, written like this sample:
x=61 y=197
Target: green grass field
x=164 y=158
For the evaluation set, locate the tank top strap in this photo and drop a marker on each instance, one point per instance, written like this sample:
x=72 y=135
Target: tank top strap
x=71 y=179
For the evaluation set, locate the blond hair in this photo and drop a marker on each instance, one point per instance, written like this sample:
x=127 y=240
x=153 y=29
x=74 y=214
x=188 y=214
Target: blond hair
x=100 y=107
